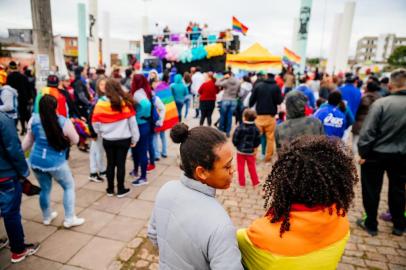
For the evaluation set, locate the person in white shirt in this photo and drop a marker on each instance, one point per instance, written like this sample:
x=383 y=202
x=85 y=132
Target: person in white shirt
x=197 y=81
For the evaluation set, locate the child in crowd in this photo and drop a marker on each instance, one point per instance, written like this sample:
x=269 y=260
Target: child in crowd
x=246 y=138
x=96 y=155
x=188 y=225
x=307 y=196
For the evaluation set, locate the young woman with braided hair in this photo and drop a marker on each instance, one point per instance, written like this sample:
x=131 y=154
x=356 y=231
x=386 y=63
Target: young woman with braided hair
x=307 y=197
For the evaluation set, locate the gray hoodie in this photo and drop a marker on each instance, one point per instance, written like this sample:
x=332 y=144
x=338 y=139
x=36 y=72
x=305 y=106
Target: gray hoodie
x=9 y=101
x=231 y=87
x=297 y=124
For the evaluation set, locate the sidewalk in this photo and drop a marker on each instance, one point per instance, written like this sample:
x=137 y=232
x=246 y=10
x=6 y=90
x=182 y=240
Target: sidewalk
x=114 y=235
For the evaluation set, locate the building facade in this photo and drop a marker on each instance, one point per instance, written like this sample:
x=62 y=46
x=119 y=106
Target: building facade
x=377 y=49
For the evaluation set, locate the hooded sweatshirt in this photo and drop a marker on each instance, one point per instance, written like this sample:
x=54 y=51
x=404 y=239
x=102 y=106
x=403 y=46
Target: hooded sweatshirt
x=297 y=124
x=179 y=89
x=9 y=101
x=231 y=87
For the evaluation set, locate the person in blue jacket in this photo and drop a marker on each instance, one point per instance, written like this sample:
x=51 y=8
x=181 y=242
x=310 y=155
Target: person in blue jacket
x=351 y=94
x=307 y=91
x=12 y=167
x=332 y=117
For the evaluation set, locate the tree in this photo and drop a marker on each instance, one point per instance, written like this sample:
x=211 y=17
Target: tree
x=398 y=57
x=313 y=61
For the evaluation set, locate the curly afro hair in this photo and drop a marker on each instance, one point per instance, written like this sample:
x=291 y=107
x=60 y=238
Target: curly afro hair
x=314 y=171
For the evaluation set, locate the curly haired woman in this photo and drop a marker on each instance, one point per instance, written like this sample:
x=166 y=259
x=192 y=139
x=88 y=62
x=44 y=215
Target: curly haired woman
x=307 y=197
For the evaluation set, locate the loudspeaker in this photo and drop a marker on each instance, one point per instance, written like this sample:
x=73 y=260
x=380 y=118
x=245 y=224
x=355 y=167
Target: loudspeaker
x=235 y=43
x=148 y=43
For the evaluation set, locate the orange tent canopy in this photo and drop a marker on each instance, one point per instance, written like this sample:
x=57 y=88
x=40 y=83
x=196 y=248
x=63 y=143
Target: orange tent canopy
x=255 y=57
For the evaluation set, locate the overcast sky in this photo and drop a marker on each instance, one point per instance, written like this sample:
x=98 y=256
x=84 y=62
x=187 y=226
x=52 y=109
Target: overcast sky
x=270 y=22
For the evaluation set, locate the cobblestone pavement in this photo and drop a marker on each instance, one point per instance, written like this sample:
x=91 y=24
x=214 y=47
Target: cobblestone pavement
x=114 y=235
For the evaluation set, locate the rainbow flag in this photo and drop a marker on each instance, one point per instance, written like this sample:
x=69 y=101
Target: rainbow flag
x=103 y=112
x=290 y=58
x=164 y=92
x=316 y=240
x=62 y=107
x=239 y=27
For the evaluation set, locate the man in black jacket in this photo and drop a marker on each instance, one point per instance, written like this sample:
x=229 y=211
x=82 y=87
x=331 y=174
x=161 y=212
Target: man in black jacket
x=25 y=96
x=382 y=147
x=266 y=96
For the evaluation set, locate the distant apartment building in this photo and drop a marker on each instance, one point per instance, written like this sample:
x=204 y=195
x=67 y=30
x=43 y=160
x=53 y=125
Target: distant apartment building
x=377 y=49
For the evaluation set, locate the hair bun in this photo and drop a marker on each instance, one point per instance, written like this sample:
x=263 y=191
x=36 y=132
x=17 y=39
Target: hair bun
x=179 y=133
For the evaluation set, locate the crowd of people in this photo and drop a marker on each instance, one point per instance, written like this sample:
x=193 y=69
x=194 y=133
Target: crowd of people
x=195 y=34
x=302 y=124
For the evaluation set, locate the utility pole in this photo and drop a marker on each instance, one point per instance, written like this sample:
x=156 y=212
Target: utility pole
x=43 y=39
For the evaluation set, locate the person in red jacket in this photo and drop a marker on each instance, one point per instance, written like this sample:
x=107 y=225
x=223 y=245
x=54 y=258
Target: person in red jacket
x=207 y=91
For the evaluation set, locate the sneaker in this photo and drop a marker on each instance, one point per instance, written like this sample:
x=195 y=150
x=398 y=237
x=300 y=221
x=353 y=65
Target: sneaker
x=30 y=249
x=361 y=223
x=386 y=216
x=157 y=159
x=123 y=193
x=3 y=242
x=48 y=221
x=164 y=156
x=397 y=232
x=75 y=221
x=95 y=177
x=103 y=174
x=139 y=182
x=134 y=173
x=150 y=167
x=110 y=193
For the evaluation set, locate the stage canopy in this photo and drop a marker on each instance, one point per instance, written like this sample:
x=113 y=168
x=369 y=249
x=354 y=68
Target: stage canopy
x=254 y=58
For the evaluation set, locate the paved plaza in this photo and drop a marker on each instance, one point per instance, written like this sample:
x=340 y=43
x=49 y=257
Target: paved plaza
x=114 y=235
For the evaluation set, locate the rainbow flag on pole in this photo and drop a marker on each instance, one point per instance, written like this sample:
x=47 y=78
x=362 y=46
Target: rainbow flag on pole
x=239 y=27
x=290 y=58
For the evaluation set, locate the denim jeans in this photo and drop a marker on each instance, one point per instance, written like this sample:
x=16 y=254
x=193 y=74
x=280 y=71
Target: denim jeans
x=226 y=115
x=139 y=152
x=179 y=106
x=187 y=104
x=64 y=178
x=161 y=135
x=151 y=149
x=10 y=202
x=96 y=156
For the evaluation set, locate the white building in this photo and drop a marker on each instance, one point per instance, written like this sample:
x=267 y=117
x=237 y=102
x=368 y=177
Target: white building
x=377 y=49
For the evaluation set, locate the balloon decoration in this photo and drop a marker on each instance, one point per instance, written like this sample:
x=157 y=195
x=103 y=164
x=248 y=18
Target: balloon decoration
x=173 y=52
x=181 y=52
x=215 y=49
x=186 y=56
x=159 y=51
x=198 y=53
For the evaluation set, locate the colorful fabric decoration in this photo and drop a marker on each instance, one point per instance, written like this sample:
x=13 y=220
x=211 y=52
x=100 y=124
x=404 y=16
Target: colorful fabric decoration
x=62 y=108
x=175 y=37
x=81 y=127
x=290 y=58
x=159 y=51
x=213 y=50
x=239 y=27
x=103 y=112
x=316 y=240
x=164 y=92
